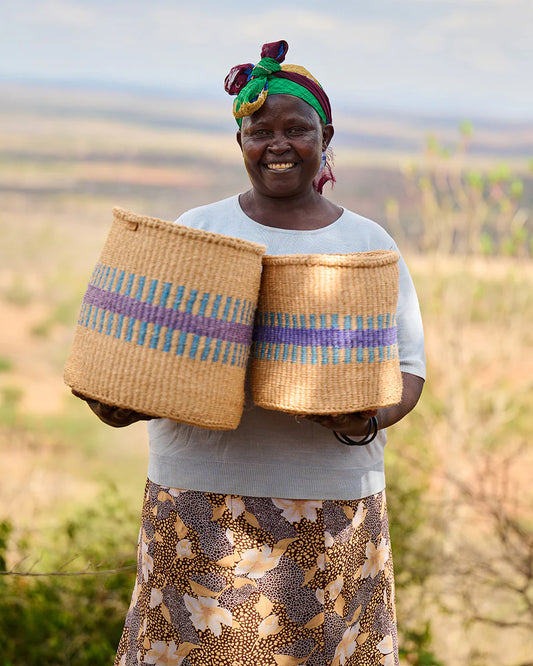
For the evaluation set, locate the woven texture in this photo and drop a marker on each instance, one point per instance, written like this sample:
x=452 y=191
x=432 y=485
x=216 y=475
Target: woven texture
x=325 y=339
x=165 y=326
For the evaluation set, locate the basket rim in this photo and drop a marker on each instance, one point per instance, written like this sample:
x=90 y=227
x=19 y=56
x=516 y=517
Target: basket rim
x=190 y=232
x=350 y=260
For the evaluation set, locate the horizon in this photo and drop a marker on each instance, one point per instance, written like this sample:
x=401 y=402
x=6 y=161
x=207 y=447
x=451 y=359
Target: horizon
x=448 y=118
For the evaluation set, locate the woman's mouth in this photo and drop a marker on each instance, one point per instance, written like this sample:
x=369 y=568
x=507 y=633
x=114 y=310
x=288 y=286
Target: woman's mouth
x=280 y=166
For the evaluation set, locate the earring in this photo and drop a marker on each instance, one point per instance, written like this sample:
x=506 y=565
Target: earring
x=322 y=161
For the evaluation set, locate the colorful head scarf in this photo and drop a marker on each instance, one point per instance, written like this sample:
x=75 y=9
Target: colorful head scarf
x=253 y=83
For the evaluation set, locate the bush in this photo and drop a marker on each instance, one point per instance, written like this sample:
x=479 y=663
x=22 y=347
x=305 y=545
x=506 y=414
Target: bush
x=76 y=615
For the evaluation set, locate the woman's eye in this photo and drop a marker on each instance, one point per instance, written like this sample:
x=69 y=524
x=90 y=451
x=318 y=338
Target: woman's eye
x=295 y=131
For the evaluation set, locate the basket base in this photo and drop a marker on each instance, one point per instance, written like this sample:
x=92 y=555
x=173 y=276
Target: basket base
x=155 y=383
x=319 y=390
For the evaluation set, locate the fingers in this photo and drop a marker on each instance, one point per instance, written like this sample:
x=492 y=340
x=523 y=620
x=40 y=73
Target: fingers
x=352 y=424
x=369 y=413
x=324 y=420
x=118 y=417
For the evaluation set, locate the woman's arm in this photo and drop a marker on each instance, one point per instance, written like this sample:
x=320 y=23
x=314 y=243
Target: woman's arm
x=357 y=424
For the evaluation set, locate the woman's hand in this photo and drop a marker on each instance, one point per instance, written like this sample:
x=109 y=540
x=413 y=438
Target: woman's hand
x=113 y=416
x=355 y=424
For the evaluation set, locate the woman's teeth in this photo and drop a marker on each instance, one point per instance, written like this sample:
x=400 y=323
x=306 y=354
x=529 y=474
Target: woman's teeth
x=280 y=166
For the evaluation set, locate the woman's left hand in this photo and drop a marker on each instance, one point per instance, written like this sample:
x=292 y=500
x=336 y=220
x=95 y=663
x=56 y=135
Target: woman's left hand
x=355 y=424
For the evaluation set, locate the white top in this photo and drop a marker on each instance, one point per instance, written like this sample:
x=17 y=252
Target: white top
x=272 y=454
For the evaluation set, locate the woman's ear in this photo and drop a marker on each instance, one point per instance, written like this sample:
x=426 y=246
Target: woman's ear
x=239 y=138
x=327 y=135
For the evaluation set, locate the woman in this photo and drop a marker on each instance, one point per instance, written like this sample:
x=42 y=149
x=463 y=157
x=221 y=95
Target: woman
x=269 y=544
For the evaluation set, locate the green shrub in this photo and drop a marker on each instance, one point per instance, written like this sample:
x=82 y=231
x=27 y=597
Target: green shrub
x=72 y=618
x=6 y=364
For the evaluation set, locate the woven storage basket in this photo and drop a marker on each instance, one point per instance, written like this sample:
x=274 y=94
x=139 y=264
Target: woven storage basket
x=325 y=333
x=165 y=326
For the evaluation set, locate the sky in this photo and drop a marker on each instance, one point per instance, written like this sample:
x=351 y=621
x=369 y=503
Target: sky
x=467 y=59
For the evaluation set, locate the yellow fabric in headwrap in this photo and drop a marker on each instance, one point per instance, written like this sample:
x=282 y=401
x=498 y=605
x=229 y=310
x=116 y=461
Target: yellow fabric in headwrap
x=253 y=95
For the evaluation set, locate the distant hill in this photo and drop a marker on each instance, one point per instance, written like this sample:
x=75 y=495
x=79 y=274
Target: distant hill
x=356 y=130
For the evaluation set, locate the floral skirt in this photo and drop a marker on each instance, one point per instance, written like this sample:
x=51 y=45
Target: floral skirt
x=227 y=580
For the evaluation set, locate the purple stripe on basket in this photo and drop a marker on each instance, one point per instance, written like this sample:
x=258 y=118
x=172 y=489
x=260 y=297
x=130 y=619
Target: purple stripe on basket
x=232 y=331
x=326 y=337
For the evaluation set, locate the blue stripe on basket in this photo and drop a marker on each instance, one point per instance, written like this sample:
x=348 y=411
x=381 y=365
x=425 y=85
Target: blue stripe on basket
x=119 y=303
x=319 y=339
x=165 y=292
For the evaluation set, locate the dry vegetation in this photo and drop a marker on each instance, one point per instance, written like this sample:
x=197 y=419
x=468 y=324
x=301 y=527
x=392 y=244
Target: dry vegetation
x=462 y=460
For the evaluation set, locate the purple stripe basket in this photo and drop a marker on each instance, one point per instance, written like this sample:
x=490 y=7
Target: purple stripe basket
x=165 y=326
x=325 y=337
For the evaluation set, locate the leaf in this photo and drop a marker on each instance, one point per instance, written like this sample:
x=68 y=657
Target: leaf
x=184 y=648
x=315 y=622
x=310 y=575
x=202 y=591
x=165 y=613
x=181 y=528
x=339 y=605
x=241 y=582
x=281 y=546
x=264 y=606
x=251 y=519
x=362 y=638
x=228 y=561
x=163 y=497
x=218 y=512
x=348 y=511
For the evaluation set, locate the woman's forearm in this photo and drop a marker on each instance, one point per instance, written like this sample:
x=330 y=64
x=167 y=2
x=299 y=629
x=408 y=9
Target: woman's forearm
x=412 y=389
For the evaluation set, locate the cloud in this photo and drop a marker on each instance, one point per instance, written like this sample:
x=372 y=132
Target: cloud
x=60 y=13
x=425 y=53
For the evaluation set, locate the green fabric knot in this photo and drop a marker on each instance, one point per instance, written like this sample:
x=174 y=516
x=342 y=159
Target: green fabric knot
x=253 y=89
x=265 y=67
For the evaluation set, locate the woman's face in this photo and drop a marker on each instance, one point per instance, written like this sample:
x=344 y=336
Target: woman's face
x=282 y=145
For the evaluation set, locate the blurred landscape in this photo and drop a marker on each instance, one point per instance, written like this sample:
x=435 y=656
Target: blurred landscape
x=457 y=194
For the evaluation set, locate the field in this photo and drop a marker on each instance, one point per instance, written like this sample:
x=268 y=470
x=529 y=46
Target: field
x=459 y=467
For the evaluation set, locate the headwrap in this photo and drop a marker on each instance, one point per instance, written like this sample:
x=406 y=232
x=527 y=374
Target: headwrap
x=253 y=83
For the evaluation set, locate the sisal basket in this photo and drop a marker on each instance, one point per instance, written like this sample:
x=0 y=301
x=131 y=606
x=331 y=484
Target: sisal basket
x=165 y=326
x=325 y=333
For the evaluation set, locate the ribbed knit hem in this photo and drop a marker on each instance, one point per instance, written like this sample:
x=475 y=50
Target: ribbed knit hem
x=267 y=480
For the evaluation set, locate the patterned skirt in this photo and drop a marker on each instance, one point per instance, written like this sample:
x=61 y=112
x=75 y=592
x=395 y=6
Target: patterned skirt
x=228 y=580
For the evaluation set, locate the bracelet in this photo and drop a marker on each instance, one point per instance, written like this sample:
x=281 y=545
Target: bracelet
x=369 y=437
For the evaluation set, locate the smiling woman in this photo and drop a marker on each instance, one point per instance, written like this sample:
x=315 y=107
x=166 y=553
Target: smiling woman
x=269 y=544
x=282 y=145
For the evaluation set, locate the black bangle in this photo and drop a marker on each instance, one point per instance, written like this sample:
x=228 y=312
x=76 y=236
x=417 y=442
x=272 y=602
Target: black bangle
x=369 y=437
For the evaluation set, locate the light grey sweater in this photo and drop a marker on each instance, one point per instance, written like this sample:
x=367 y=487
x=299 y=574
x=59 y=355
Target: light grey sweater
x=272 y=454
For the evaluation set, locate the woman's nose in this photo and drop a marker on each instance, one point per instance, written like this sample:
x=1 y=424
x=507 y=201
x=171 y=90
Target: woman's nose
x=278 y=143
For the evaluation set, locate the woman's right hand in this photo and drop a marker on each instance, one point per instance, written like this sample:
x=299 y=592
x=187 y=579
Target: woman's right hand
x=118 y=417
